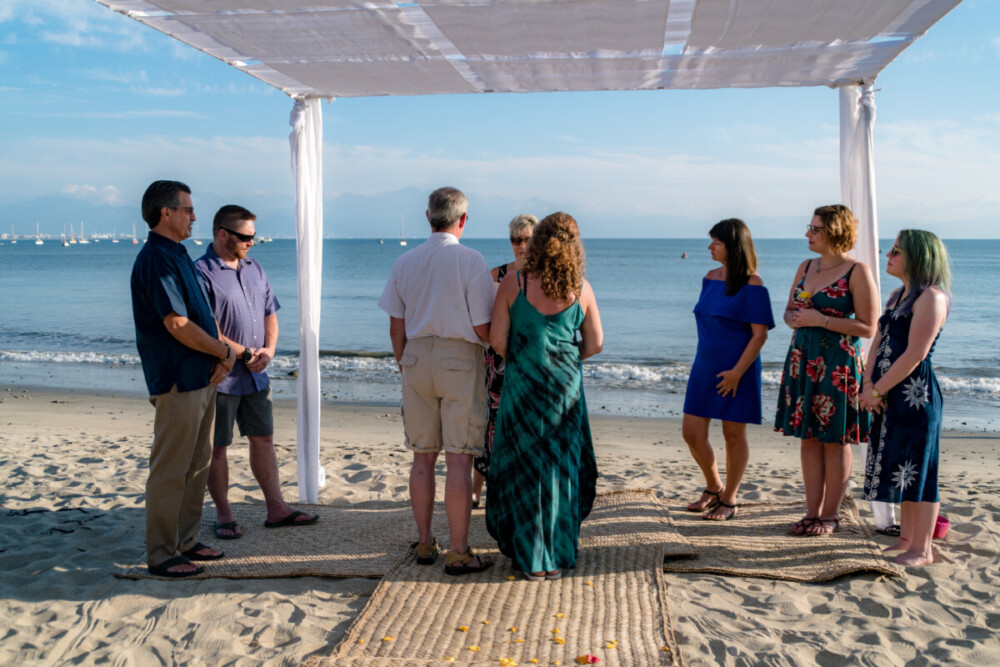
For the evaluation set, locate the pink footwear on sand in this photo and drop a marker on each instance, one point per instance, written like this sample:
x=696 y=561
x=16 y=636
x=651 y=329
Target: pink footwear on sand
x=941 y=527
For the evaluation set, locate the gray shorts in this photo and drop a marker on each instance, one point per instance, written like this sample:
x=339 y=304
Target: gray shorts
x=252 y=412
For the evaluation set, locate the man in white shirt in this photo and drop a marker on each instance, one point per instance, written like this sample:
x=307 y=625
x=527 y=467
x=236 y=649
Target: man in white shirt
x=439 y=298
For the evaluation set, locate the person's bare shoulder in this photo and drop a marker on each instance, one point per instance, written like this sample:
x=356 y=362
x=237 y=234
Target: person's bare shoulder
x=755 y=279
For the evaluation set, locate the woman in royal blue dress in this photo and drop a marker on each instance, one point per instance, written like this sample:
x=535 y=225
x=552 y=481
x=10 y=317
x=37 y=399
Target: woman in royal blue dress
x=831 y=305
x=901 y=389
x=733 y=315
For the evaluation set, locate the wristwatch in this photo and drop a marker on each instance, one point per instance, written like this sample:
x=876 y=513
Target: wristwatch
x=246 y=356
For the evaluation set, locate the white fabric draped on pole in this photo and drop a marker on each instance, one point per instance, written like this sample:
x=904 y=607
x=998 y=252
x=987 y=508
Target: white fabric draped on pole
x=857 y=190
x=307 y=167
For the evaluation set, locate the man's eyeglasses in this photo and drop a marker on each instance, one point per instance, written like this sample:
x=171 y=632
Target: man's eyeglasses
x=246 y=238
x=893 y=251
x=519 y=240
x=813 y=229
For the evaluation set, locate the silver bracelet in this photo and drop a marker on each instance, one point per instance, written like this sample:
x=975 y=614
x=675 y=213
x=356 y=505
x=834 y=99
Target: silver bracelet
x=827 y=322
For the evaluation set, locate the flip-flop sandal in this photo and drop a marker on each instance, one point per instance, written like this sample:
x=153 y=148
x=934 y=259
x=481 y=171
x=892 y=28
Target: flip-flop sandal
x=799 y=527
x=707 y=506
x=290 y=520
x=163 y=569
x=231 y=526
x=192 y=553
x=891 y=531
x=715 y=508
x=456 y=563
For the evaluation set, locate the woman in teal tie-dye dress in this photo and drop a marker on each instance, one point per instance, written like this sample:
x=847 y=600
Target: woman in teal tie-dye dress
x=543 y=474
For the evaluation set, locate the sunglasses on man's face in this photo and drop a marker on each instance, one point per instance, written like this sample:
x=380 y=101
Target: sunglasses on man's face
x=246 y=238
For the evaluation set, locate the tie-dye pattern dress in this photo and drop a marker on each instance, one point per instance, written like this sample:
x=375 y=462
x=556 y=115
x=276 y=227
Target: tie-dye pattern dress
x=543 y=474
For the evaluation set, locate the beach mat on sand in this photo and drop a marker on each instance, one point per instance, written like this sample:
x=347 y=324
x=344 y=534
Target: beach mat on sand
x=756 y=544
x=369 y=541
x=613 y=605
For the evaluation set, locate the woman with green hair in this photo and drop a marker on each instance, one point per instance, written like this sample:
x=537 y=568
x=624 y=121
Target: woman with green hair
x=901 y=390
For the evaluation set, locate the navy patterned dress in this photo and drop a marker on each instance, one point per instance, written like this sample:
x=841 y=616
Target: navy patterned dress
x=494 y=385
x=543 y=474
x=821 y=379
x=902 y=464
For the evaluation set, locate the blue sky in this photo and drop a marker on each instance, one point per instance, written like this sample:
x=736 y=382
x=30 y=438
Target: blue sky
x=93 y=106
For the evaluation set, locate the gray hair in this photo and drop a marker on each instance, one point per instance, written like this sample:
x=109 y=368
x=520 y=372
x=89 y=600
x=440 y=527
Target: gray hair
x=521 y=222
x=445 y=207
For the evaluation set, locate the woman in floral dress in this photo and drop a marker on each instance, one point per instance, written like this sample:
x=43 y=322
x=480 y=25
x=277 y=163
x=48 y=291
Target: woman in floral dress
x=831 y=305
x=902 y=391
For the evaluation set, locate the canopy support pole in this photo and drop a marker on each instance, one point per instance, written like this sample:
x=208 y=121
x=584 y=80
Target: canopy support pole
x=307 y=168
x=857 y=190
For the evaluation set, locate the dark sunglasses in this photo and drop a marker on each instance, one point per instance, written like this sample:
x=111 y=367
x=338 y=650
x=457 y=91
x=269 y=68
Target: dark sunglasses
x=893 y=251
x=519 y=240
x=246 y=238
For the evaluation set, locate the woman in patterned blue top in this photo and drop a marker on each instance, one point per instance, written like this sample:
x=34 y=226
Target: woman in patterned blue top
x=733 y=315
x=902 y=391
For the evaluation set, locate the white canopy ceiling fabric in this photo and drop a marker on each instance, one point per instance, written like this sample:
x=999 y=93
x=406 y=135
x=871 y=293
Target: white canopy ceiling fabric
x=344 y=48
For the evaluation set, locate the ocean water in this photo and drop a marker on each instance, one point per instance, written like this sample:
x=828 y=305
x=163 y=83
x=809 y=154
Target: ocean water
x=67 y=320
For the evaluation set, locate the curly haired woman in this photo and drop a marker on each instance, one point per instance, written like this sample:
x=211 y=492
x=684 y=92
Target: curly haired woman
x=543 y=474
x=831 y=305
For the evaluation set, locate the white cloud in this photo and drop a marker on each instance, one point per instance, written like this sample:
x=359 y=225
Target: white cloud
x=75 y=23
x=107 y=194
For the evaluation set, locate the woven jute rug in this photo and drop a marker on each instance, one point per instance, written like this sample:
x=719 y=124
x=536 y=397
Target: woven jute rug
x=368 y=542
x=756 y=544
x=613 y=605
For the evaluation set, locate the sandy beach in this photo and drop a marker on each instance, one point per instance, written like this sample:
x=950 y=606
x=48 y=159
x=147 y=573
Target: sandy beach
x=74 y=466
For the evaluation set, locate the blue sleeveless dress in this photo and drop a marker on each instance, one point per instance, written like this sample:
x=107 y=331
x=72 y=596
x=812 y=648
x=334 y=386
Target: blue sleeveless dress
x=723 y=323
x=902 y=465
x=543 y=473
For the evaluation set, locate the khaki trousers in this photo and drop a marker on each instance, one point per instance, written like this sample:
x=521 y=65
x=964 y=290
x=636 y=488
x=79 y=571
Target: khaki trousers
x=178 y=470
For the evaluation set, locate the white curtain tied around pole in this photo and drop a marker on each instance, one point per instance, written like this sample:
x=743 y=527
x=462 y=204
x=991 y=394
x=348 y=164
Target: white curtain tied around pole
x=307 y=168
x=857 y=190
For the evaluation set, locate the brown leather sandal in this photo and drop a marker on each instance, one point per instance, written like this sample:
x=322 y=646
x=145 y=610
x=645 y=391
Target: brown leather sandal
x=456 y=563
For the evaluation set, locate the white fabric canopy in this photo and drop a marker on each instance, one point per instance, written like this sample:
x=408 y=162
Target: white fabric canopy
x=313 y=49
x=345 y=48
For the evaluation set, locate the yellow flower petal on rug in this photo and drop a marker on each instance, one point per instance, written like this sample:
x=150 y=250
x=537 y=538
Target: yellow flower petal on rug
x=589 y=583
x=388 y=638
x=511 y=577
x=486 y=622
x=514 y=629
x=474 y=649
x=665 y=648
x=463 y=628
x=517 y=641
x=361 y=641
x=508 y=662
x=559 y=640
x=555 y=631
x=449 y=659
x=560 y=615
x=533 y=661
x=611 y=644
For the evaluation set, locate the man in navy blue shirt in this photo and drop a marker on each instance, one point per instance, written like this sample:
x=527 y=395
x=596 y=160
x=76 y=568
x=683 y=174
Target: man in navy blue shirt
x=183 y=359
x=247 y=313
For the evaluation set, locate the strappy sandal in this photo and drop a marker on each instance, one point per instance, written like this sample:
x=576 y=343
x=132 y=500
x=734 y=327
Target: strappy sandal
x=822 y=527
x=802 y=525
x=708 y=506
x=456 y=563
x=706 y=516
x=426 y=553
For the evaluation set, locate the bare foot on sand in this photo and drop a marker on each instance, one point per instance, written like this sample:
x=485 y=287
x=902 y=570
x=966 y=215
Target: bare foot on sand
x=902 y=544
x=914 y=558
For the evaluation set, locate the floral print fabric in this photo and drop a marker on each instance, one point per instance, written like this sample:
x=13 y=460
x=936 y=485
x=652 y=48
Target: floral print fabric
x=821 y=378
x=902 y=465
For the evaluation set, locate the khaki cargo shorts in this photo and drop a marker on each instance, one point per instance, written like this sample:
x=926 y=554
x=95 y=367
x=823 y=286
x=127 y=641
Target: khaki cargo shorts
x=444 y=396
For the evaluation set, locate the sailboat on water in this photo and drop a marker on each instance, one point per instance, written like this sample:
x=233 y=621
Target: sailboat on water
x=83 y=239
x=197 y=241
x=402 y=239
x=135 y=241
x=38 y=235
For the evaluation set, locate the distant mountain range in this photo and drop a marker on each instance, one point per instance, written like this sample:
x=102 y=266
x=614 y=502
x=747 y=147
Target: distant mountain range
x=370 y=216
